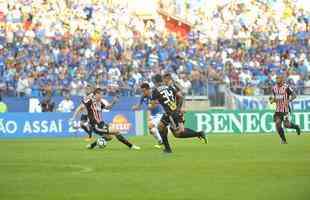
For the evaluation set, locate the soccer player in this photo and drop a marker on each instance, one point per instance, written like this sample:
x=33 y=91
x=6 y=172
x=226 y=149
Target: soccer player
x=84 y=121
x=167 y=79
x=154 y=114
x=172 y=102
x=282 y=95
x=95 y=105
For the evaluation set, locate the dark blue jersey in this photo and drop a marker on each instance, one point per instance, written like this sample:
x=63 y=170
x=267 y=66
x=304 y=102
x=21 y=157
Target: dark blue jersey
x=144 y=101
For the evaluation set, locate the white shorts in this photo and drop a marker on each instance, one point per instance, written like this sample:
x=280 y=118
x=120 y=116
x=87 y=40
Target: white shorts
x=155 y=119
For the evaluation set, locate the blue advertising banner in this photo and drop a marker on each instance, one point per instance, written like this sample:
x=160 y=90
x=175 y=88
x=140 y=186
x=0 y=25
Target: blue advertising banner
x=15 y=125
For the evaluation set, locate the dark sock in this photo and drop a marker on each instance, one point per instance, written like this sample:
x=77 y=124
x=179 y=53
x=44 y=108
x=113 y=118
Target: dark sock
x=294 y=126
x=92 y=145
x=188 y=133
x=281 y=134
x=123 y=140
x=164 y=137
x=88 y=130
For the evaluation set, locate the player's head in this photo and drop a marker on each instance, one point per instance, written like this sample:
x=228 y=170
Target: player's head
x=167 y=79
x=157 y=79
x=146 y=89
x=88 y=89
x=280 y=80
x=98 y=93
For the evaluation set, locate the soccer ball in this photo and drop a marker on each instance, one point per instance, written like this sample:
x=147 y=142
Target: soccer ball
x=101 y=142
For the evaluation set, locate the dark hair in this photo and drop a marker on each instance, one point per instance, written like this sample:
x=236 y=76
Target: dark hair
x=157 y=78
x=97 y=90
x=145 y=86
x=167 y=75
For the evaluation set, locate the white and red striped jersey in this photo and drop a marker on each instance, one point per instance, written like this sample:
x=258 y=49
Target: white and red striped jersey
x=94 y=108
x=281 y=96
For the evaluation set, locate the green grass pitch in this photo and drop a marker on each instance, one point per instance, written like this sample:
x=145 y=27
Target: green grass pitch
x=230 y=167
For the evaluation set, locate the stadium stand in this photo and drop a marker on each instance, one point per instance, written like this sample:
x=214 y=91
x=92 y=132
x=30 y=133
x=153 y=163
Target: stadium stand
x=52 y=47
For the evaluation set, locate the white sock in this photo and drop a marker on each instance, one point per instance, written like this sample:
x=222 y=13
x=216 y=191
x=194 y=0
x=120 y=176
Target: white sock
x=156 y=134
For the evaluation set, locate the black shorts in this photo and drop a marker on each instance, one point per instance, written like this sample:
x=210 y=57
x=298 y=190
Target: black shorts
x=100 y=128
x=173 y=120
x=282 y=115
x=84 y=118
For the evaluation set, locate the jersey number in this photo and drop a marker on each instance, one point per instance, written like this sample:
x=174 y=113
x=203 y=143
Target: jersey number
x=169 y=99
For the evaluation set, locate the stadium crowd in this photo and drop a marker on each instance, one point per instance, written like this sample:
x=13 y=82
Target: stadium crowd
x=59 y=46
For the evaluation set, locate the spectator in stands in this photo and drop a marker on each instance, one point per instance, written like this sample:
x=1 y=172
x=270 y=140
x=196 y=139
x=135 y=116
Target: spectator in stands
x=53 y=42
x=66 y=105
x=3 y=106
x=47 y=105
x=23 y=86
x=185 y=83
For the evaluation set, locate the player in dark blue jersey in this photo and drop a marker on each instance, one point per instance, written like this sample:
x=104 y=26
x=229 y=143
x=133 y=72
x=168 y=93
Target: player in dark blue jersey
x=172 y=102
x=154 y=114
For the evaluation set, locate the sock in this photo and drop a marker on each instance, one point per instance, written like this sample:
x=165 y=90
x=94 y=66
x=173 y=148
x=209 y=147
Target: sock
x=281 y=134
x=188 y=133
x=164 y=137
x=156 y=135
x=292 y=125
x=92 y=145
x=123 y=140
x=88 y=130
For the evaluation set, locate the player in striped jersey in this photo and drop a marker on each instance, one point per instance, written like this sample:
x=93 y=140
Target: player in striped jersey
x=84 y=121
x=282 y=95
x=95 y=106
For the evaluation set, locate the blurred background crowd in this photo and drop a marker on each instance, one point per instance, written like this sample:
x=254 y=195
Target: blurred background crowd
x=57 y=47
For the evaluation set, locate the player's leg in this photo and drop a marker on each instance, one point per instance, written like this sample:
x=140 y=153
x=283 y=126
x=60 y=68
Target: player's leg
x=288 y=124
x=95 y=143
x=179 y=131
x=121 y=138
x=153 y=128
x=100 y=129
x=86 y=126
x=163 y=131
x=278 y=118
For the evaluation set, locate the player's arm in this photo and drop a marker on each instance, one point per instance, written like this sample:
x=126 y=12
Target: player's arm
x=138 y=106
x=291 y=94
x=78 y=110
x=154 y=100
x=180 y=100
x=272 y=99
x=114 y=101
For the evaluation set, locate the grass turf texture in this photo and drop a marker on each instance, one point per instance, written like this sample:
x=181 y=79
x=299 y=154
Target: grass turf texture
x=229 y=167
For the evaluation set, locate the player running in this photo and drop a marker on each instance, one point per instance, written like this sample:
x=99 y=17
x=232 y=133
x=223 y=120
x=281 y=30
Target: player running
x=172 y=102
x=282 y=95
x=154 y=114
x=95 y=105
